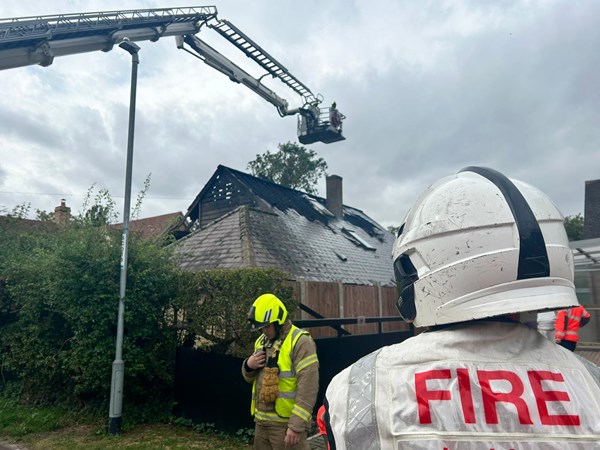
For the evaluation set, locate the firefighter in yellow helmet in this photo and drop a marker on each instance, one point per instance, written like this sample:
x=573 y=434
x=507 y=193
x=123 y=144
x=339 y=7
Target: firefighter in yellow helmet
x=284 y=372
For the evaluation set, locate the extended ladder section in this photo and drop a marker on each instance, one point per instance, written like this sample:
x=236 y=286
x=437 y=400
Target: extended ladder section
x=261 y=57
x=38 y=39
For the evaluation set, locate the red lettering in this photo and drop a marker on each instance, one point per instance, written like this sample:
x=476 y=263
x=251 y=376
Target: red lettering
x=509 y=388
x=542 y=397
x=466 y=395
x=490 y=398
x=424 y=396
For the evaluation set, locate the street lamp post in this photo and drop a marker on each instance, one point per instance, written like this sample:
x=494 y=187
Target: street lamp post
x=118 y=366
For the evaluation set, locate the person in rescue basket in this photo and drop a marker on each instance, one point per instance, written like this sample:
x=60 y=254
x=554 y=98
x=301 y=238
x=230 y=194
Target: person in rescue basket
x=567 y=325
x=284 y=372
x=478 y=253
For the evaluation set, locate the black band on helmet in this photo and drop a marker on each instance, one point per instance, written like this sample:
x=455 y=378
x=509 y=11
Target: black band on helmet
x=533 y=256
x=406 y=275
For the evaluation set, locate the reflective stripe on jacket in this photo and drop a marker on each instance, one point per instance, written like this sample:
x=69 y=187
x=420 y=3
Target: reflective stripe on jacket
x=568 y=322
x=287 y=380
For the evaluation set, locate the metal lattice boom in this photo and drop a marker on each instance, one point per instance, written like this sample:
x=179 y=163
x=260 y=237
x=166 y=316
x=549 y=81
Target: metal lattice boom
x=38 y=39
x=261 y=57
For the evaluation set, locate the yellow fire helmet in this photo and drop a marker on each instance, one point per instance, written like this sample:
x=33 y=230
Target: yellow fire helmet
x=267 y=309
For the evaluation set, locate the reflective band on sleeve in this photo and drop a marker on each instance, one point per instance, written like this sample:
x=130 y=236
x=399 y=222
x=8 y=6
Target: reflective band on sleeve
x=302 y=413
x=287 y=394
x=270 y=417
x=306 y=362
x=361 y=419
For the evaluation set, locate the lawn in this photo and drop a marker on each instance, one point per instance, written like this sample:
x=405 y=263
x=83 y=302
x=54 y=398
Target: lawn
x=54 y=429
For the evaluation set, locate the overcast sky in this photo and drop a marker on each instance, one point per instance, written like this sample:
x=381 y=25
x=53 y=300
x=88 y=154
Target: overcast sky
x=428 y=87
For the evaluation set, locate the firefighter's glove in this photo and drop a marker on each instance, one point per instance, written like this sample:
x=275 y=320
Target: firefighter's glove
x=270 y=387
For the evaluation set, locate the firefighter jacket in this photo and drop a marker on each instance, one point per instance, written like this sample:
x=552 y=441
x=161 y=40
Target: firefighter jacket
x=568 y=322
x=298 y=379
x=479 y=385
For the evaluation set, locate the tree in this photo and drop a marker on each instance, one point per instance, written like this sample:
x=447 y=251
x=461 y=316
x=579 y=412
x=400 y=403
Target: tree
x=101 y=212
x=393 y=229
x=574 y=227
x=44 y=216
x=293 y=166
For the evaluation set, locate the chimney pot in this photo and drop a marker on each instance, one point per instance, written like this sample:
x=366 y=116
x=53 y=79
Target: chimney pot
x=62 y=213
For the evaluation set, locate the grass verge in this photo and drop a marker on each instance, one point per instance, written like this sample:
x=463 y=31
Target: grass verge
x=55 y=428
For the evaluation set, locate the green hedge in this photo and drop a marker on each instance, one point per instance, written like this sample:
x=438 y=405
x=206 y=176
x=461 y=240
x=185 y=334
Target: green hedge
x=214 y=305
x=59 y=313
x=59 y=292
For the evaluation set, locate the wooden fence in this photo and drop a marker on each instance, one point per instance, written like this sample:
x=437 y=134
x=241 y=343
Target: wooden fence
x=338 y=300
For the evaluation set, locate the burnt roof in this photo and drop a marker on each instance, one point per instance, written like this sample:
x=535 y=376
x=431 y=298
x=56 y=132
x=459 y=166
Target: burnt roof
x=287 y=229
x=281 y=197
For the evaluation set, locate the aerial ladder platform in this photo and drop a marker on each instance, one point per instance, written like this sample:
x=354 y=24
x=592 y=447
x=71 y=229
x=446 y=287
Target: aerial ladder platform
x=39 y=39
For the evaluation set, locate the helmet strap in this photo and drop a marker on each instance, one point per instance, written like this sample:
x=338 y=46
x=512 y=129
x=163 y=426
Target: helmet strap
x=277 y=330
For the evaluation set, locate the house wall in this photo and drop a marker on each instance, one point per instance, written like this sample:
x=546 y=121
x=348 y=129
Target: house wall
x=591 y=223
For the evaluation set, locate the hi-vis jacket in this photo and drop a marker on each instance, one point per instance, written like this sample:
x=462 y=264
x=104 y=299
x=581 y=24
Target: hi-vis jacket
x=475 y=386
x=568 y=322
x=298 y=380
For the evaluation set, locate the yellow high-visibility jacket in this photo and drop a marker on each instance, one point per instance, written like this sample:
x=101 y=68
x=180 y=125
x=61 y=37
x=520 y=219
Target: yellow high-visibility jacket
x=298 y=379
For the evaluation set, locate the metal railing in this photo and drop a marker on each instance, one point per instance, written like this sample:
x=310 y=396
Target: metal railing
x=44 y=26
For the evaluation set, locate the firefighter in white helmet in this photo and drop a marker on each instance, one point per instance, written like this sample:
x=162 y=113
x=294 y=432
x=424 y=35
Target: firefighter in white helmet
x=477 y=255
x=284 y=372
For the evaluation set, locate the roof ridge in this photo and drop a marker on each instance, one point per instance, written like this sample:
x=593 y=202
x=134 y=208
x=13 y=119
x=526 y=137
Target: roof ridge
x=264 y=180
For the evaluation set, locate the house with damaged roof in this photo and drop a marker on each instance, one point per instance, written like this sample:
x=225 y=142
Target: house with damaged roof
x=339 y=257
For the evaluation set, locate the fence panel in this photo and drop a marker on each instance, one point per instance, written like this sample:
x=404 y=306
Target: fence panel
x=389 y=297
x=324 y=299
x=357 y=301
x=361 y=301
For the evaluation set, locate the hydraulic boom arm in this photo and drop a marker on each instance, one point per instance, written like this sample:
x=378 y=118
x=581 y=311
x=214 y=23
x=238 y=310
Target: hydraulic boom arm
x=39 y=39
x=217 y=61
x=314 y=123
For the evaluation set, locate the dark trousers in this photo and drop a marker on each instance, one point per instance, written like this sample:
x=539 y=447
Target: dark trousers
x=569 y=345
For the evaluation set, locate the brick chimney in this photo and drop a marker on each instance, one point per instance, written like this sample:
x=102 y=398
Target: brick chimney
x=62 y=213
x=591 y=214
x=334 y=195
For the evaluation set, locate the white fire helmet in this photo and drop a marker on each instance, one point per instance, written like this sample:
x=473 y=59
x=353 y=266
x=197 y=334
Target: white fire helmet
x=478 y=244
